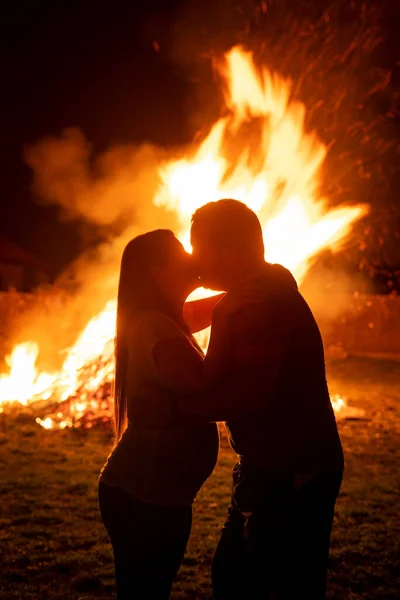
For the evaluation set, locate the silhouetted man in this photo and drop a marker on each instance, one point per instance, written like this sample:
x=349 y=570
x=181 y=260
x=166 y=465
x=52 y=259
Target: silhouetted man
x=279 y=420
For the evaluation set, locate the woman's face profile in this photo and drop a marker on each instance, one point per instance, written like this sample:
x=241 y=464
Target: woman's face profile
x=178 y=277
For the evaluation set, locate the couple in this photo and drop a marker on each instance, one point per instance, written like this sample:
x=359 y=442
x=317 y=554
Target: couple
x=263 y=374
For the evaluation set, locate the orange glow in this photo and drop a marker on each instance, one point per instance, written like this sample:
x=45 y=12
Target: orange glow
x=279 y=178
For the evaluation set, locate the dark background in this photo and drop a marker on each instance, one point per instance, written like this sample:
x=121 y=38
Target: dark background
x=94 y=66
x=90 y=65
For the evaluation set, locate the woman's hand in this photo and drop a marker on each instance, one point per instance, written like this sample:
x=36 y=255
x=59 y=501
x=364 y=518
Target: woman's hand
x=253 y=288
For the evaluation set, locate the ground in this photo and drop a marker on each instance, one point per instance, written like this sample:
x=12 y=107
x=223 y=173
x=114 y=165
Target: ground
x=53 y=544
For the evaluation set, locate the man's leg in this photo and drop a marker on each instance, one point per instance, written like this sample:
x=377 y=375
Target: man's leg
x=229 y=567
x=313 y=518
x=302 y=572
x=253 y=543
x=282 y=547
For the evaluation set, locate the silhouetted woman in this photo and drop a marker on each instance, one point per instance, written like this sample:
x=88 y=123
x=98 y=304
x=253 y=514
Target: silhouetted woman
x=152 y=476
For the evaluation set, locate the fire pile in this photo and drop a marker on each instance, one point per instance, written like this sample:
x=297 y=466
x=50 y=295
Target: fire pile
x=80 y=393
x=257 y=152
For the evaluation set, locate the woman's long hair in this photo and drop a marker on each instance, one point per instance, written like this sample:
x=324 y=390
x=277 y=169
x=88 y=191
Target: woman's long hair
x=138 y=291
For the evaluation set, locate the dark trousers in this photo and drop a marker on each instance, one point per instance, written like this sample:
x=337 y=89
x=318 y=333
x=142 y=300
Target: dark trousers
x=148 y=541
x=280 y=549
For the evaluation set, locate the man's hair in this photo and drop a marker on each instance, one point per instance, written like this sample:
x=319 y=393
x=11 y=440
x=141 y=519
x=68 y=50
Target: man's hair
x=229 y=223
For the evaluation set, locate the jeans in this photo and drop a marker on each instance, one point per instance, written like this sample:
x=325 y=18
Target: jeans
x=148 y=542
x=280 y=548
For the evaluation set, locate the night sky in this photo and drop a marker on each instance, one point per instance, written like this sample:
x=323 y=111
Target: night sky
x=90 y=65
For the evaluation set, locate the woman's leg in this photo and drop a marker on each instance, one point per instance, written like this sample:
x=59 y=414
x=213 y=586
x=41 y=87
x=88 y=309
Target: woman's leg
x=148 y=541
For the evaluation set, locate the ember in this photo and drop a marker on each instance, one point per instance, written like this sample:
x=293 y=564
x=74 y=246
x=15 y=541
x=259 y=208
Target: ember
x=279 y=181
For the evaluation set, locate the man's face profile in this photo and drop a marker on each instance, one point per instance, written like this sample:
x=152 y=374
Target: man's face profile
x=208 y=262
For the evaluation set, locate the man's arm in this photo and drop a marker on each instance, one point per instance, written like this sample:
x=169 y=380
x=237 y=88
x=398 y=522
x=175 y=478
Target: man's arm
x=260 y=337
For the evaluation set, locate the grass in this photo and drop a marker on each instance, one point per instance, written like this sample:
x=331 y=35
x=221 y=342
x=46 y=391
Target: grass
x=54 y=546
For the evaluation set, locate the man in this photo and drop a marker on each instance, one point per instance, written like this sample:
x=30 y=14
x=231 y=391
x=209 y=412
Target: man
x=280 y=422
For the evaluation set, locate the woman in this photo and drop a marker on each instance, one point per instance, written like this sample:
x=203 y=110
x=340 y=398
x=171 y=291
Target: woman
x=151 y=478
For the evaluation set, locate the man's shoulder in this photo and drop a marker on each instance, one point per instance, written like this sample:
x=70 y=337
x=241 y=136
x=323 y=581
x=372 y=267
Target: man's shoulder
x=269 y=309
x=259 y=319
x=256 y=311
x=276 y=310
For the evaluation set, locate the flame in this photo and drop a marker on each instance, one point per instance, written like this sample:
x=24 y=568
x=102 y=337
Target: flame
x=276 y=172
x=23 y=381
x=283 y=190
x=338 y=403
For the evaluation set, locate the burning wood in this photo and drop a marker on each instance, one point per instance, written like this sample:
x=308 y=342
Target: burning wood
x=276 y=172
x=87 y=406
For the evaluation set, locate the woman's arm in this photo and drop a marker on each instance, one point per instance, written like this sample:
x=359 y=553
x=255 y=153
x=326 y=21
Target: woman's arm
x=259 y=341
x=182 y=368
x=198 y=313
x=248 y=390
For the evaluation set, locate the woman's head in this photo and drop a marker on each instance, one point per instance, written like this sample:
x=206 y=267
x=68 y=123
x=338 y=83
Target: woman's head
x=157 y=273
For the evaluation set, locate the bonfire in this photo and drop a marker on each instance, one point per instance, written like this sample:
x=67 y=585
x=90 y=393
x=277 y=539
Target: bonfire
x=257 y=152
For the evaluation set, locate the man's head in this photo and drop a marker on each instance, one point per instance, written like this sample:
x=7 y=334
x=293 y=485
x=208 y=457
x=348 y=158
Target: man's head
x=227 y=242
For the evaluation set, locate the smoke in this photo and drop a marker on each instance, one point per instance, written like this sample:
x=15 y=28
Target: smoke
x=117 y=185
x=114 y=190
x=327 y=290
x=58 y=314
